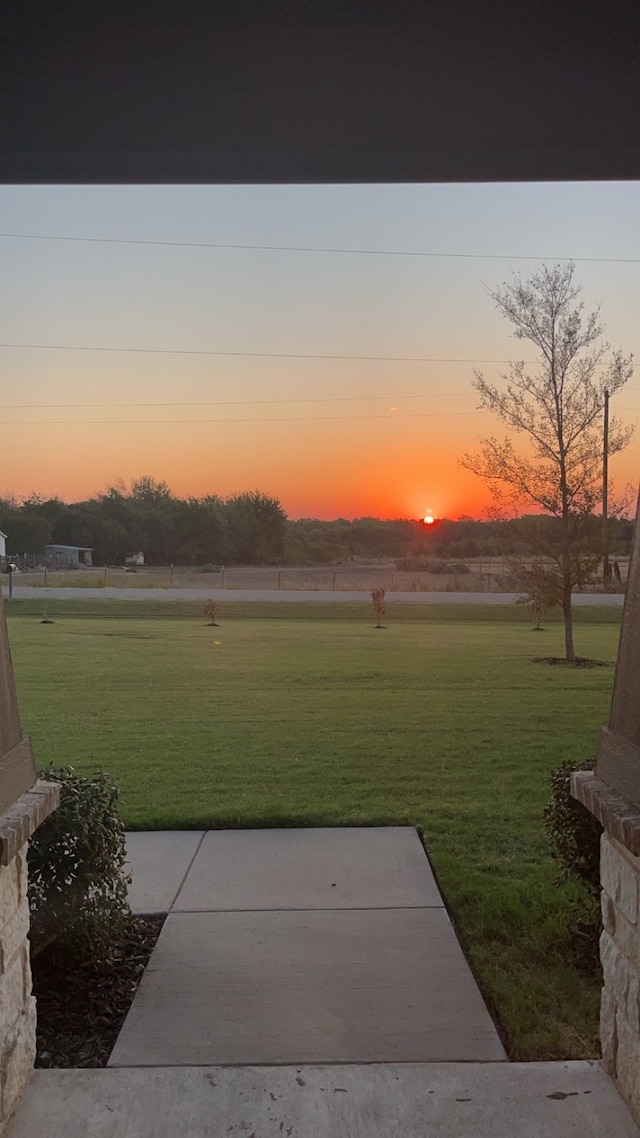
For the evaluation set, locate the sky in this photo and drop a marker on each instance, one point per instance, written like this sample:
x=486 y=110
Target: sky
x=333 y=372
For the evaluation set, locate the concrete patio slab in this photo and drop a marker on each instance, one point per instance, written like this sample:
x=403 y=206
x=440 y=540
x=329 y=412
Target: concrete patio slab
x=322 y=868
x=159 y=862
x=495 y=1100
x=339 y=986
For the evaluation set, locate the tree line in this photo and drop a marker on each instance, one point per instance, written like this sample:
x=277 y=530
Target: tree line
x=252 y=528
x=247 y=528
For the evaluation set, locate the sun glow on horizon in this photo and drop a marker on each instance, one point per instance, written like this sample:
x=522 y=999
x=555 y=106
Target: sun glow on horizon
x=341 y=386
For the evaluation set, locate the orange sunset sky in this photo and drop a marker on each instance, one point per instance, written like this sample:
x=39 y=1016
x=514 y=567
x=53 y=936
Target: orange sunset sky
x=331 y=370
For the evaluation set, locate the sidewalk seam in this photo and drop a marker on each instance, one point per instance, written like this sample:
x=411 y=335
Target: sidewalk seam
x=303 y=909
x=187 y=872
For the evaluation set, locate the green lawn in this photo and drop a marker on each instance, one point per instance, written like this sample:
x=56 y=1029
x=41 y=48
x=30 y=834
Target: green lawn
x=444 y=724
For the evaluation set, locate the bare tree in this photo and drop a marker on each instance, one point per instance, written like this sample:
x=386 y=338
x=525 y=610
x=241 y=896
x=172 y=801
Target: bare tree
x=559 y=407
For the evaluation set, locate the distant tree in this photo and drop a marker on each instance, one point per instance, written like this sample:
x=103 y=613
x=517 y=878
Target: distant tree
x=150 y=490
x=377 y=600
x=558 y=408
x=211 y=611
x=50 y=508
x=27 y=532
x=257 y=527
x=156 y=514
x=77 y=526
x=540 y=587
x=116 y=505
x=85 y=523
x=213 y=529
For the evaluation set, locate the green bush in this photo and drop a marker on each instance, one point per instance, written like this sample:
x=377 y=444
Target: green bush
x=574 y=835
x=77 y=880
x=573 y=832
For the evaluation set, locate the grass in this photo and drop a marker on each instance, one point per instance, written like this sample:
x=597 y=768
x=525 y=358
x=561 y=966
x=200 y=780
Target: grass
x=445 y=724
x=115 y=609
x=92 y=579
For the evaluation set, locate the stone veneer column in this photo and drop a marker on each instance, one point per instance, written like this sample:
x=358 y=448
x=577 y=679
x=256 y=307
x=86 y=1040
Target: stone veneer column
x=620 y=955
x=620 y=939
x=612 y=794
x=17 y=1005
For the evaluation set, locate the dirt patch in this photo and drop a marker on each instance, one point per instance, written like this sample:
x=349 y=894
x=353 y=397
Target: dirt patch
x=81 y=1012
x=579 y=662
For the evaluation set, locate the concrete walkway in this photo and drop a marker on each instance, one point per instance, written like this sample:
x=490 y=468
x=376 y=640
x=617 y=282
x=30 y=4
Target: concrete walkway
x=299 y=946
x=307 y=983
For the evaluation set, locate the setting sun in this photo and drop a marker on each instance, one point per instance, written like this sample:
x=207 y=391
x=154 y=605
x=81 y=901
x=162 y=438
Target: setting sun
x=429 y=518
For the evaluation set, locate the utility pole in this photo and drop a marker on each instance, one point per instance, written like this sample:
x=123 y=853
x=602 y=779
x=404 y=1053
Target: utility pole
x=606 y=569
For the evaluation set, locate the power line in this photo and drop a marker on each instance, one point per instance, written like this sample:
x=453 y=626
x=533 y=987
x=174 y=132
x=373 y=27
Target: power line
x=392 y=414
x=239 y=402
x=252 y=355
x=187 y=422
x=314 y=249
x=288 y=419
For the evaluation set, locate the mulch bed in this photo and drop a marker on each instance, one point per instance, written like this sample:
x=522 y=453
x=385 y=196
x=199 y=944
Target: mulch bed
x=80 y=1012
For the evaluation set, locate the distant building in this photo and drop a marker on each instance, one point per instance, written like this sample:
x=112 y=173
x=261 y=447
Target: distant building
x=69 y=557
x=134 y=558
x=3 y=546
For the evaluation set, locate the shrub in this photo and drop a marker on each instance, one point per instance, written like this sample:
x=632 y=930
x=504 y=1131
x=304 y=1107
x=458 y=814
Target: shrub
x=573 y=832
x=539 y=587
x=377 y=600
x=574 y=835
x=77 y=880
x=211 y=612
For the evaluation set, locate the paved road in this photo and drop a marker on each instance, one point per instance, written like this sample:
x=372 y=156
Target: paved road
x=289 y=595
